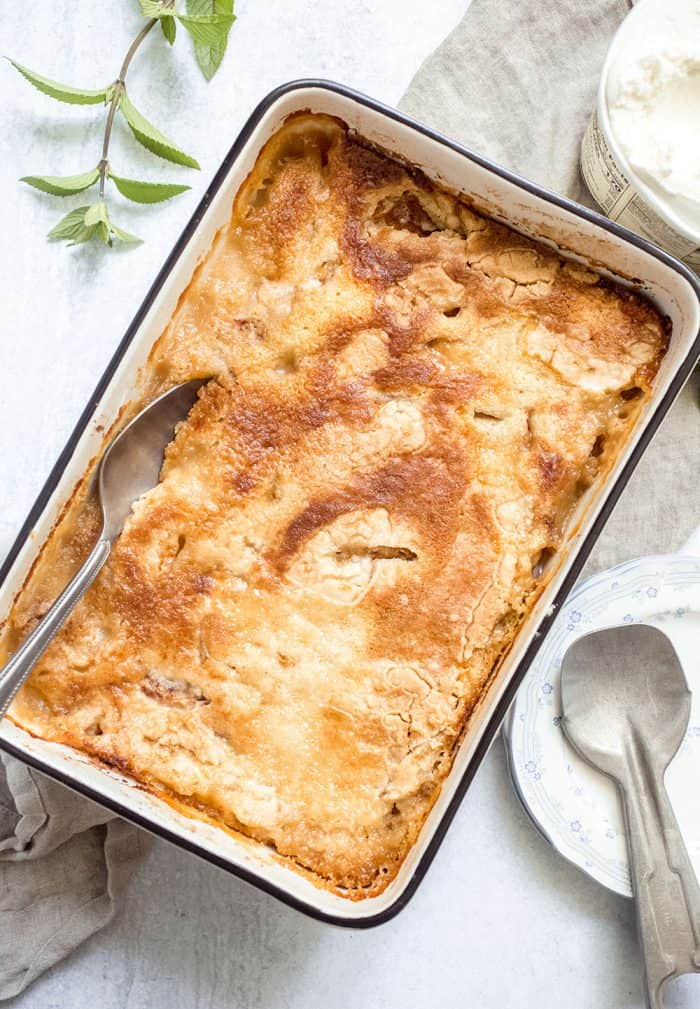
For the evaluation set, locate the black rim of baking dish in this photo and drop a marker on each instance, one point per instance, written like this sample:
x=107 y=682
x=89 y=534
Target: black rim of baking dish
x=610 y=499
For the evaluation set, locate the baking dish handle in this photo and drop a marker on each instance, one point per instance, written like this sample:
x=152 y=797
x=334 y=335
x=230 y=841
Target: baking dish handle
x=18 y=668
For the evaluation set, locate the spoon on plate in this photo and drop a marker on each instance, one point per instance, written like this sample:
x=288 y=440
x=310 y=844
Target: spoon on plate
x=129 y=467
x=626 y=709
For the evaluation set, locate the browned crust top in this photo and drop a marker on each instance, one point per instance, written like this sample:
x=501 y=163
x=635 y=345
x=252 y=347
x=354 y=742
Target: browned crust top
x=406 y=402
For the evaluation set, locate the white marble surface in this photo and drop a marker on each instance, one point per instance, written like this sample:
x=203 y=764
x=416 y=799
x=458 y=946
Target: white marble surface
x=500 y=921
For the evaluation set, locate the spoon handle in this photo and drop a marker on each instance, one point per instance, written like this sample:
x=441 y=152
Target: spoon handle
x=18 y=668
x=665 y=886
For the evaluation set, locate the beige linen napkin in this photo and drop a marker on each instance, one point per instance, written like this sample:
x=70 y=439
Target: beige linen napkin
x=64 y=863
x=517 y=82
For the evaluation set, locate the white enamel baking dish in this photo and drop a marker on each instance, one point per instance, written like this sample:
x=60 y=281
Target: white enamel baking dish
x=523 y=205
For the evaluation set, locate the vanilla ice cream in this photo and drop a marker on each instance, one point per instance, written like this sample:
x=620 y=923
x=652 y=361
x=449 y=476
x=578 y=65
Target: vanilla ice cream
x=653 y=98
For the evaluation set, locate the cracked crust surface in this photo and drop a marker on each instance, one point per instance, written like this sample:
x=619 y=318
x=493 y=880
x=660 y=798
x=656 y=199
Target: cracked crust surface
x=407 y=400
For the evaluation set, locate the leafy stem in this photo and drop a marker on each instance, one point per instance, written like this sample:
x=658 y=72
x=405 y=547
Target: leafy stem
x=117 y=91
x=208 y=22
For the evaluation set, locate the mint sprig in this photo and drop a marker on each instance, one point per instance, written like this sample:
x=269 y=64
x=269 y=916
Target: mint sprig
x=61 y=92
x=150 y=136
x=146 y=192
x=209 y=57
x=208 y=22
x=85 y=223
x=65 y=185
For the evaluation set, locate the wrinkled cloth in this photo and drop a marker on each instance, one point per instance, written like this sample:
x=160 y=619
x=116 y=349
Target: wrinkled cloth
x=64 y=864
x=517 y=82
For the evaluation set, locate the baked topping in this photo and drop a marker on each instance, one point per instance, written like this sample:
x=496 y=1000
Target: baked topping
x=407 y=399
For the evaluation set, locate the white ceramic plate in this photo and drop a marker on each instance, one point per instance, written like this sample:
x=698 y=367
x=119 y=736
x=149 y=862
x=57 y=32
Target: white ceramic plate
x=576 y=808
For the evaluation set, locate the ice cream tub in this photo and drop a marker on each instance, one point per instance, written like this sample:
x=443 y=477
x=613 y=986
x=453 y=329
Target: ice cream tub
x=640 y=156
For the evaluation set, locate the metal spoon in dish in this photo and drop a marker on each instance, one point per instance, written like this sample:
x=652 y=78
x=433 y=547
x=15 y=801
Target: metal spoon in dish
x=626 y=708
x=129 y=467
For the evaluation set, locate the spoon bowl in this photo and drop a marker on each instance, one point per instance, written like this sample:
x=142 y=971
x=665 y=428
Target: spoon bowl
x=129 y=467
x=132 y=462
x=622 y=683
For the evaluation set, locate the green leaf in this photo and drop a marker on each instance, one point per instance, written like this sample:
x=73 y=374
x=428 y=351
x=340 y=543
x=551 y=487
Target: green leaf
x=209 y=23
x=146 y=192
x=123 y=236
x=97 y=214
x=161 y=10
x=151 y=138
x=62 y=185
x=209 y=29
x=71 y=225
x=62 y=92
x=85 y=223
x=200 y=8
x=156 y=8
x=169 y=26
x=84 y=235
x=151 y=8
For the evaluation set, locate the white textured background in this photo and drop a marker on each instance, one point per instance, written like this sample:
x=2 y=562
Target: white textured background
x=500 y=921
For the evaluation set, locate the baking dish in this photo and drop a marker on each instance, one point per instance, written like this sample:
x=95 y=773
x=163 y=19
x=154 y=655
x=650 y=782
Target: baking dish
x=519 y=204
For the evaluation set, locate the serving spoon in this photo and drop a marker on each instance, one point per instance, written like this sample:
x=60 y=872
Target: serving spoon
x=130 y=466
x=626 y=708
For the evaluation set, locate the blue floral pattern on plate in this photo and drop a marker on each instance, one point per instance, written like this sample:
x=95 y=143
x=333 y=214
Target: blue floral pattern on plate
x=573 y=805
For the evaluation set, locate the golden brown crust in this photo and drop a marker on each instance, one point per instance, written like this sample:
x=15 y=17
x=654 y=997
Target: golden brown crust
x=407 y=399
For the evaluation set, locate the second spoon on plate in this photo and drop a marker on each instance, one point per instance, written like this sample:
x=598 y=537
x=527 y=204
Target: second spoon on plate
x=626 y=709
